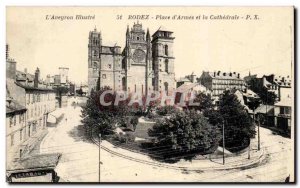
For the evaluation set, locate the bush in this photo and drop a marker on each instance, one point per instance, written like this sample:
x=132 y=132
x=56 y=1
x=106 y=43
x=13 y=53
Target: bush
x=185 y=134
x=164 y=110
x=125 y=138
x=129 y=123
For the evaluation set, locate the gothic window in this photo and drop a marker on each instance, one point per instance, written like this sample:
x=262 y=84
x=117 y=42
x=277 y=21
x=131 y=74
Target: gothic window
x=95 y=53
x=137 y=38
x=166 y=50
x=95 y=65
x=167 y=65
x=166 y=86
x=123 y=65
x=124 y=84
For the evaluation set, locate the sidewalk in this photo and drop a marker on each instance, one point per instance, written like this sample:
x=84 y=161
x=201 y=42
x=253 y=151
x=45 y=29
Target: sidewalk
x=233 y=162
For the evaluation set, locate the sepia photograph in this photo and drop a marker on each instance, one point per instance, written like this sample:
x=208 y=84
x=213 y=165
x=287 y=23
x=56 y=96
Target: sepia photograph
x=156 y=94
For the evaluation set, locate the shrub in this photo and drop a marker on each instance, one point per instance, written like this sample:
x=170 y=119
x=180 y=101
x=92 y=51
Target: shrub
x=125 y=138
x=164 y=110
x=185 y=133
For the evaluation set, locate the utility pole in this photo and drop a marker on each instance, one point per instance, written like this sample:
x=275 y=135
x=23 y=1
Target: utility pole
x=249 y=149
x=258 y=136
x=99 y=155
x=223 y=142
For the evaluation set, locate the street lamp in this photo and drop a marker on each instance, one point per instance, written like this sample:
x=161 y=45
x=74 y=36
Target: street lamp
x=99 y=155
x=223 y=133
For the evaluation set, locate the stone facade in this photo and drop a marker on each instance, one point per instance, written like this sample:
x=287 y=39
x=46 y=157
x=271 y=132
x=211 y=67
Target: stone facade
x=144 y=64
x=219 y=81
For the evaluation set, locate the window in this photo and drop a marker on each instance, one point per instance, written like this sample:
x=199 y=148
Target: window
x=109 y=66
x=137 y=38
x=10 y=121
x=95 y=64
x=21 y=135
x=104 y=76
x=281 y=110
x=15 y=120
x=20 y=118
x=166 y=87
x=166 y=50
x=95 y=53
x=167 y=65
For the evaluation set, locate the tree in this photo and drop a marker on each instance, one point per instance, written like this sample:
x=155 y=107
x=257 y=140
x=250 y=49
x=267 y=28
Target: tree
x=185 y=133
x=239 y=127
x=205 y=102
x=267 y=96
x=95 y=114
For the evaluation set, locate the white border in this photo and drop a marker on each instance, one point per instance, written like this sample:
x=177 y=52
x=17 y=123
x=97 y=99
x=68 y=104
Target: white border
x=4 y=3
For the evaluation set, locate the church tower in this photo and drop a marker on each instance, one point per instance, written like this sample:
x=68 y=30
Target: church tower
x=94 y=58
x=163 y=60
x=137 y=59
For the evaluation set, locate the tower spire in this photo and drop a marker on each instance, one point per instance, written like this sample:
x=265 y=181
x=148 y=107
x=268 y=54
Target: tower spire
x=127 y=31
x=148 y=35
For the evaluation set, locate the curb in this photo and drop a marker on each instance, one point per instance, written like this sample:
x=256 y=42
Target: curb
x=252 y=162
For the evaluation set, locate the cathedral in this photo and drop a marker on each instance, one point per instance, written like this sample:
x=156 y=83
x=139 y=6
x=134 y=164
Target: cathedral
x=145 y=64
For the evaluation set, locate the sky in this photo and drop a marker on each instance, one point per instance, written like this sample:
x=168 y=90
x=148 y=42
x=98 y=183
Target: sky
x=263 y=46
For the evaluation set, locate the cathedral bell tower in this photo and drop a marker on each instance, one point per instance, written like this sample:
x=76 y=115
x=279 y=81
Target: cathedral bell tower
x=163 y=60
x=94 y=58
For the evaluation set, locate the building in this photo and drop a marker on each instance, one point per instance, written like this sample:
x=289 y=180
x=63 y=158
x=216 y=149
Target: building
x=219 y=81
x=29 y=102
x=190 y=90
x=63 y=74
x=144 y=64
x=282 y=113
x=279 y=85
x=186 y=80
x=16 y=127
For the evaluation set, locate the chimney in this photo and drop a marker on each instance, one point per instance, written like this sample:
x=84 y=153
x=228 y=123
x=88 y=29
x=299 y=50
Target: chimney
x=11 y=66
x=214 y=73
x=36 y=77
x=230 y=74
x=7 y=52
x=238 y=75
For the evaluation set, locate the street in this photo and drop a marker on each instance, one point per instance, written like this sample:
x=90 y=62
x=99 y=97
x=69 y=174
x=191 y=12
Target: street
x=80 y=159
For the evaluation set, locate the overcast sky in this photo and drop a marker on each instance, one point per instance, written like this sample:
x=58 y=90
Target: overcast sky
x=262 y=46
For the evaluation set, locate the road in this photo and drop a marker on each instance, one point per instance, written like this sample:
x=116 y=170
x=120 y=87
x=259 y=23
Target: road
x=80 y=160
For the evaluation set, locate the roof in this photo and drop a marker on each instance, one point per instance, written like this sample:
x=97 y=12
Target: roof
x=187 y=86
x=33 y=88
x=184 y=79
x=36 y=162
x=13 y=106
x=250 y=93
x=262 y=109
x=23 y=76
x=223 y=75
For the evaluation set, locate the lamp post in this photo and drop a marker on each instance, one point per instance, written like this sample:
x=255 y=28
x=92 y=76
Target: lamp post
x=99 y=156
x=223 y=142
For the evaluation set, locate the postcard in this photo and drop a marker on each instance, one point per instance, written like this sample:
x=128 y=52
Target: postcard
x=150 y=94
